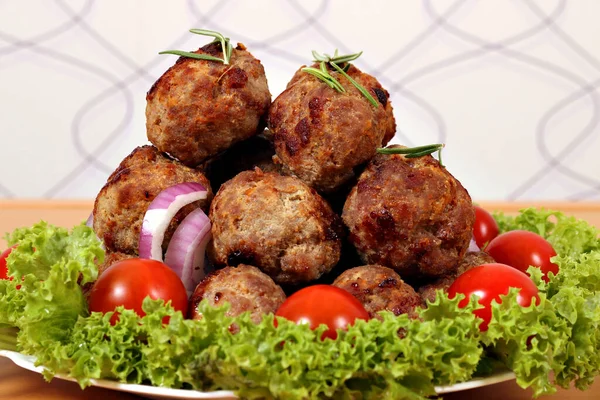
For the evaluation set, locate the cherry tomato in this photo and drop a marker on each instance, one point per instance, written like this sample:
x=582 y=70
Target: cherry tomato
x=127 y=282
x=488 y=282
x=485 y=227
x=521 y=249
x=3 y=267
x=323 y=304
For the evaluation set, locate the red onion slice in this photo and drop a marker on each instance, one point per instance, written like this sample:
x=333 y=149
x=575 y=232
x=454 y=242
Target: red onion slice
x=185 y=254
x=90 y=220
x=473 y=248
x=90 y=224
x=160 y=213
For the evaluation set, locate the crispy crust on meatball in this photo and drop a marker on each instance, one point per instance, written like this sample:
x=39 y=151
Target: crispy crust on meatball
x=321 y=135
x=276 y=223
x=121 y=204
x=112 y=257
x=199 y=108
x=380 y=288
x=244 y=287
x=409 y=214
x=471 y=259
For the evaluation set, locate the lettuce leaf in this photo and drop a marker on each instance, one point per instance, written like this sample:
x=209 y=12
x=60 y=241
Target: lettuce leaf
x=97 y=349
x=264 y=361
x=44 y=298
x=575 y=295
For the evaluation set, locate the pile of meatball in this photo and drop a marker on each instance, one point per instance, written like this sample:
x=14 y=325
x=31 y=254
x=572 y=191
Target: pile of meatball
x=298 y=194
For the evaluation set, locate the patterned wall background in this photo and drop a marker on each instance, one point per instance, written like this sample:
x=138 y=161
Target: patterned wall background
x=511 y=87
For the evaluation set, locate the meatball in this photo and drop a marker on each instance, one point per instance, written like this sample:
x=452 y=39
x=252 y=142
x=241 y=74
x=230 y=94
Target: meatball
x=254 y=152
x=199 y=108
x=322 y=135
x=380 y=288
x=121 y=204
x=111 y=258
x=409 y=214
x=276 y=223
x=244 y=287
x=472 y=259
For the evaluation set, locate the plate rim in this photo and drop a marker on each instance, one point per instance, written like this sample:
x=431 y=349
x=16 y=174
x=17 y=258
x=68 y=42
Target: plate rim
x=28 y=362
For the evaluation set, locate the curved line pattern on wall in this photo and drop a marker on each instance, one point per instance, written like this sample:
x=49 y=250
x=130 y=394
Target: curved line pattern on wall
x=119 y=89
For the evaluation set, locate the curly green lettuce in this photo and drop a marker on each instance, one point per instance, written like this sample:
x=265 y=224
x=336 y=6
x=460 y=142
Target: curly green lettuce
x=44 y=298
x=264 y=361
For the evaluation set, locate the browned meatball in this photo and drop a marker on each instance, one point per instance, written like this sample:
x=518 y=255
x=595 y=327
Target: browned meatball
x=111 y=258
x=380 y=288
x=121 y=204
x=199 y=108
x=321 y=135
x=276 y=223
x=245 y=287
x=409 y=214
x=472 y=259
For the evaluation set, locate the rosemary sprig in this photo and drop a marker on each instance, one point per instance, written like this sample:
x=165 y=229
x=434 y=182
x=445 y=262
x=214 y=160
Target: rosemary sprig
x=356 y=85
x=414 y=152
x=335 y=62
x=192 y=55
x=225 y=46
x=336 y=58
x=324 y=75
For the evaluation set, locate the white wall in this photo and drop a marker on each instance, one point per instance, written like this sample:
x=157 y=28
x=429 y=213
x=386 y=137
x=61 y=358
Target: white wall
x=511 y=86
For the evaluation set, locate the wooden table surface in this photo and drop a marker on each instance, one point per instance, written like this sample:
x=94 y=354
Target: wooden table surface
x=17 y=383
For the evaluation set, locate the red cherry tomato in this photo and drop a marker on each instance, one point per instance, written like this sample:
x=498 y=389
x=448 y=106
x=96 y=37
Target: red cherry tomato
x=323 y=304
x=488 y=282
x=3 y=267
x=521 y=249
x=126 y=283
x=485 y=227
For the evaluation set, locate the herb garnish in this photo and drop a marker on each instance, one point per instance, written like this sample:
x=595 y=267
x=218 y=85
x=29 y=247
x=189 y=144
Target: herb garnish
x=414 y=152
x=225 y=45
x=323 y=73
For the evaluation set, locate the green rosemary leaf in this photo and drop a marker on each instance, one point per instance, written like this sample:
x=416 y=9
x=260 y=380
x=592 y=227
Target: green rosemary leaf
x=337 y=86
x=225 y=46
x=332 y=83
x=356 y=84
x=324 y=68
x=218 y=36
x=421 y=154
x=338 y=59
x=318 y=57
x=229 y=51
x=205 y=32
x=409 y=150
x=345 y=59
x=414 y=152
x=191 y=55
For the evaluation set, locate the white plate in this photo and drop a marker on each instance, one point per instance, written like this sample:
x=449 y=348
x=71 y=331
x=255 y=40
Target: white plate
x=152 y=392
